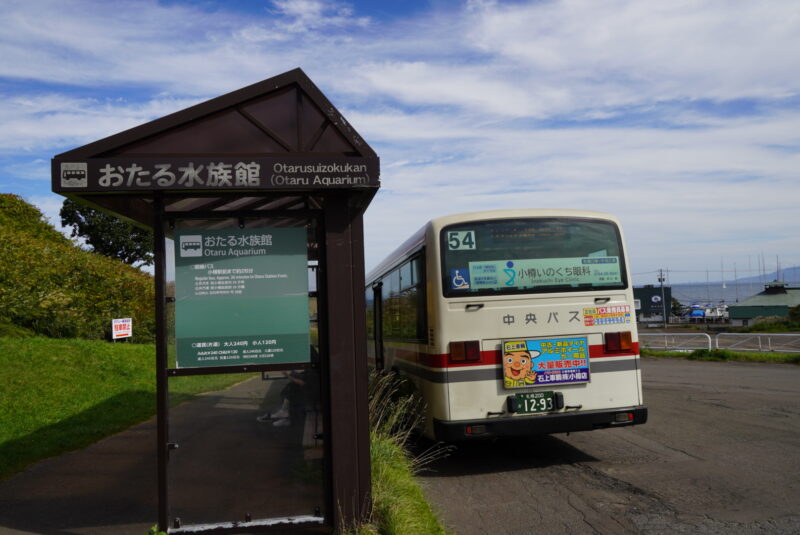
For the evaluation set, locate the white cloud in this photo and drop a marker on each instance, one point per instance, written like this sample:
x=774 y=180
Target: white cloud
x=36 y=169
x=532 y=59
x=315 y=15
x=50 y=206
x=646 y=50
x=675 y=190
x=38 y=122
x=681 y=117
x=477 y=88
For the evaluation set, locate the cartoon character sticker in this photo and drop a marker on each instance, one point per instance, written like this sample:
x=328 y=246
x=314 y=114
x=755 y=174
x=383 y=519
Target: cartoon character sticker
x=548 y=361
x=518 y=365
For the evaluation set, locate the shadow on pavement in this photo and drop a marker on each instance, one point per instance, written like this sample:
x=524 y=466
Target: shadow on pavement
x=500 y=455
x=109 y=485
x=228 y=465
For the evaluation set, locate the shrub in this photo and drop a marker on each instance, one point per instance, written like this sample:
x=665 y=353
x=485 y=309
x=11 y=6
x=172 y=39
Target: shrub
x=56 y=289
x=399 y=505
x=712 y=354
x=9 y=330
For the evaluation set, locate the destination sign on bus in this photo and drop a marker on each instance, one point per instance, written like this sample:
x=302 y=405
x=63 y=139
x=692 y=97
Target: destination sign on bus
x=530 y=273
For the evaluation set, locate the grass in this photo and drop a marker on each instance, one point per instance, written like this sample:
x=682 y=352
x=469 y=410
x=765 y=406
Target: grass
x=14 y=331
x=399 y=504
x=726 y=355
x=59 y=395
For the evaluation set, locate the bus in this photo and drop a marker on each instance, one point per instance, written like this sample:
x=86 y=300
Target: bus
x=511 y=323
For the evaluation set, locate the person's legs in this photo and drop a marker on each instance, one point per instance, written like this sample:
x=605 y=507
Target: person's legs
x=277 y=414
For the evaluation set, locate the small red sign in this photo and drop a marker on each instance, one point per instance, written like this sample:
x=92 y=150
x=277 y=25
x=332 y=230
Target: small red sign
x=121 y=328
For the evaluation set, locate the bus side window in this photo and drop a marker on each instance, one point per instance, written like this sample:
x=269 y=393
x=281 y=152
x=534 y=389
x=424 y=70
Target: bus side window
x=370 y=303
x=375 y=324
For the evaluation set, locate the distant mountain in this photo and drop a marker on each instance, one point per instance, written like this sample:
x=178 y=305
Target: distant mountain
x=731 y=291
x=715 y=292
x=790 y=275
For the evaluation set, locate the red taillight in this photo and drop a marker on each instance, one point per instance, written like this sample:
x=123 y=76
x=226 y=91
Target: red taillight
x=622 y=341
x=465 y=351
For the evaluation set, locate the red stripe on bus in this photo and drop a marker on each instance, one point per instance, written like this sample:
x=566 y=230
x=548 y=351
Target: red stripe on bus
x=492 y=357
x=598 y=351
x=443 y=360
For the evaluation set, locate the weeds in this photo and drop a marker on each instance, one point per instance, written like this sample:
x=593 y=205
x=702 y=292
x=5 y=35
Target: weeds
x=399 y=506
x=394 y=412
x=723 y=355
x=711 y=354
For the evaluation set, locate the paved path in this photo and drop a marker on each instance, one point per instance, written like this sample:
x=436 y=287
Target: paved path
x=109 y=487
x=228 y=464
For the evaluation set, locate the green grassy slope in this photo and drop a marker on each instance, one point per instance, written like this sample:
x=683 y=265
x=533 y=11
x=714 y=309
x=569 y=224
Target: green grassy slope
x=55 y=289
x=60 y=395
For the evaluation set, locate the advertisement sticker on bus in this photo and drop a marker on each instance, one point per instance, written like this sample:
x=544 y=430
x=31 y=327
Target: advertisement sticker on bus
x=531 y=273
x=545 y=362
x=607 y=315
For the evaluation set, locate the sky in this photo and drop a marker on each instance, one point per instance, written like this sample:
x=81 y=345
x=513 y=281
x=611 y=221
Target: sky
x=682 y=118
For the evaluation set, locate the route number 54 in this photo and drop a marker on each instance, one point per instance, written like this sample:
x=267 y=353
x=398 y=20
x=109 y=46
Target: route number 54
x=461 y=240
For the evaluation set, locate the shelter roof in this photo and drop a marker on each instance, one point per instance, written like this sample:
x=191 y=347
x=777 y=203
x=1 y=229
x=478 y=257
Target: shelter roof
x=275 y=145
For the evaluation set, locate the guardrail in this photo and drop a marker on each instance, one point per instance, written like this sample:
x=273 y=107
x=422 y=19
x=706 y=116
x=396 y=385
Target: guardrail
x=783 y=343
x=763 y=342
x=675 y=341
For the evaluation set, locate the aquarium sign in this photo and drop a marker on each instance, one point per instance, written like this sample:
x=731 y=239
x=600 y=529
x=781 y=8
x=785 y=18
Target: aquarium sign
x=241 y=297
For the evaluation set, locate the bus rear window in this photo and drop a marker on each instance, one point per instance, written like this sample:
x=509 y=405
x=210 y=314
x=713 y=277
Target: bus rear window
x=511 y=256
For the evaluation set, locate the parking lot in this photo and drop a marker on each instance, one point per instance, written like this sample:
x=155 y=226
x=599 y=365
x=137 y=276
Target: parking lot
x=719 y=454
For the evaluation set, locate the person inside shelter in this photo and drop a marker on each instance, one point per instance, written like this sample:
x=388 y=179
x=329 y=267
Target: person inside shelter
x=300 y=393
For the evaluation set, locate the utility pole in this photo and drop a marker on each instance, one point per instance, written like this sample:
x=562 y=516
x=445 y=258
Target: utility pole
x=663 y=301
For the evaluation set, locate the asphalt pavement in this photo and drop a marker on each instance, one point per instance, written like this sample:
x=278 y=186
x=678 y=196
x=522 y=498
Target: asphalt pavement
x=228 y=466
x=719 y=454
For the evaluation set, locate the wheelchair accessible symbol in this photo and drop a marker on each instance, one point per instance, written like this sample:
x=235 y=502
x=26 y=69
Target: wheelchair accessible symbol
x=459 y=279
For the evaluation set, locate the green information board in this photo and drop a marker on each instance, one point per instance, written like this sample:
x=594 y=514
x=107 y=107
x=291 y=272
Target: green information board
x=241 y=297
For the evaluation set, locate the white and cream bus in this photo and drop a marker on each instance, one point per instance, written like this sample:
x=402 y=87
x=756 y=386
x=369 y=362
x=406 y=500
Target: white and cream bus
x=511 y=322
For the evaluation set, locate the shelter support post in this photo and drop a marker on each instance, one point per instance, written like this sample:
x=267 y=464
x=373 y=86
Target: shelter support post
x=344 y=278
x=162 y=390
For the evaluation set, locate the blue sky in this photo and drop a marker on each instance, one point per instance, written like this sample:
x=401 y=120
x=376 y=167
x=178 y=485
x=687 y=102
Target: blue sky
x=682 y=118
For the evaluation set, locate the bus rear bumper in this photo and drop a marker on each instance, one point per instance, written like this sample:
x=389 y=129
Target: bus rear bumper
x=538 y=424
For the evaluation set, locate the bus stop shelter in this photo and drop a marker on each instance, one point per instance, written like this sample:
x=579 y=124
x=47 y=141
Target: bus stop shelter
x=241 y=175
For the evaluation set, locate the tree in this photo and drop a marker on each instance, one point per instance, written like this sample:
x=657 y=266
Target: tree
x=677 y=307
x=794 y=314
x=108 y=235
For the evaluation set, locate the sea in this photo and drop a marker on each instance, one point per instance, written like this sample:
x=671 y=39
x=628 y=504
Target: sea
x=732 y=291
x=715 y=293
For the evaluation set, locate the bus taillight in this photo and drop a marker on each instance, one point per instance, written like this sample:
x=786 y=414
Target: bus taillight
x=465 y=351
x=620 y=341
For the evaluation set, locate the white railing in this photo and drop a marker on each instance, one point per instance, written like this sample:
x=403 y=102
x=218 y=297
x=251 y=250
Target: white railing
x=764 y=342
x=675 y=341
x=783 y=343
